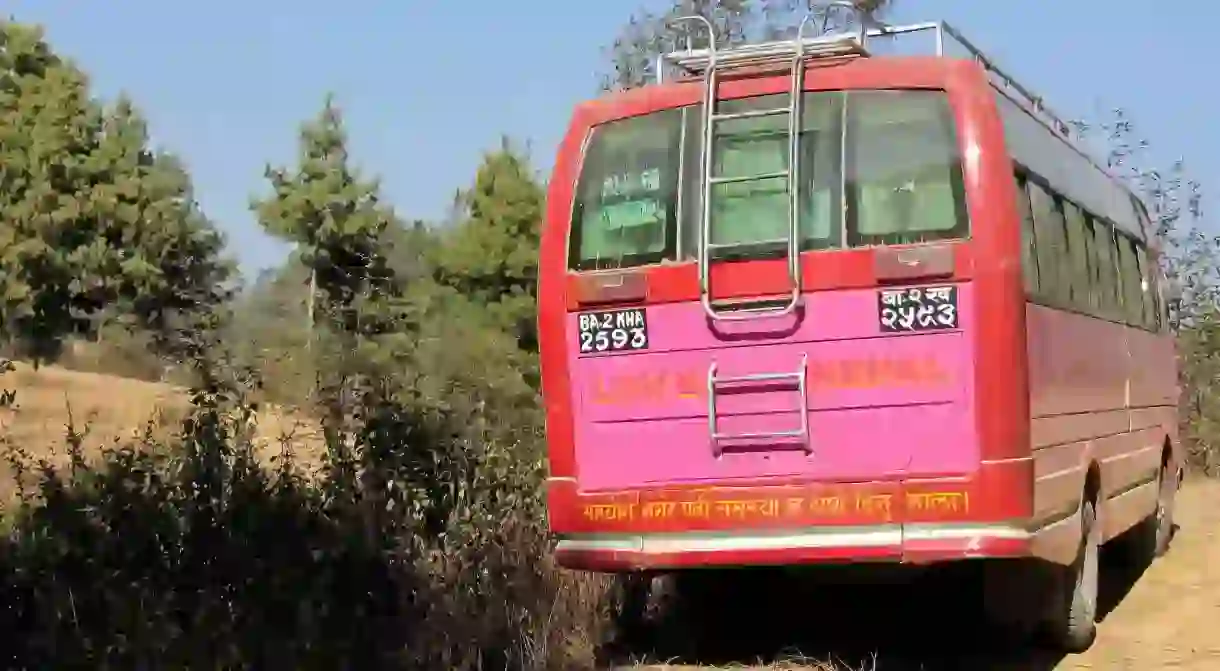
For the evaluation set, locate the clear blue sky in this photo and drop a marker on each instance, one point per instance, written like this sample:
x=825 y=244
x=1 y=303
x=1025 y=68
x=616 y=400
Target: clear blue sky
x=428 y=85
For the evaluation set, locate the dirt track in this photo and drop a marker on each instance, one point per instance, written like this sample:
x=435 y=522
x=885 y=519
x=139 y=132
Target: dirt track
x=1168 y=617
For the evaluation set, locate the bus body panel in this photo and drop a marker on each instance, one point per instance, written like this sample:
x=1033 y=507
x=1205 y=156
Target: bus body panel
x=1103 y=394
x=879 y=405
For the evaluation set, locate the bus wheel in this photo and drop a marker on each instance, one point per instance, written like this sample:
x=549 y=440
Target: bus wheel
x=1073 y=625
x=1159 y=527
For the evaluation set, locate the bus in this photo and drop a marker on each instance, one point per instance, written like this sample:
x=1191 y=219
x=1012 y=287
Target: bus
x=822 y=300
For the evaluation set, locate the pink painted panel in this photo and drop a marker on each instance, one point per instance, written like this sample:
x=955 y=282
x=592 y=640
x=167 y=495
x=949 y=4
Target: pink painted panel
x=1154 y=380
x=879 y=406
x=1077 y=363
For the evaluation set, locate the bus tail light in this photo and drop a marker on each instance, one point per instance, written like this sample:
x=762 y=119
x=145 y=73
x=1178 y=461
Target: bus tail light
x=911 y=263
x=616 y=287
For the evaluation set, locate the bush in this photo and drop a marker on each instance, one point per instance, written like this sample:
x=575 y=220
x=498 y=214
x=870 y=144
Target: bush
x=196 y=555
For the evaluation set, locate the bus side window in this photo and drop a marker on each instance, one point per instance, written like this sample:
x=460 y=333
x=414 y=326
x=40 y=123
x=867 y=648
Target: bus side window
x=1077 y=248
x=1133 y=302
x=1054 y=273
x=1079 y=243
x=1148 y=301
x=1107 y=269
x=1029 y=251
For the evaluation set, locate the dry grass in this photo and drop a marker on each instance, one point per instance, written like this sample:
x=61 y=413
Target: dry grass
x=109 y=410
x=796 y=663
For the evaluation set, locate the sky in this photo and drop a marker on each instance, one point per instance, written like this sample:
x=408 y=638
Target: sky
x=427 y=86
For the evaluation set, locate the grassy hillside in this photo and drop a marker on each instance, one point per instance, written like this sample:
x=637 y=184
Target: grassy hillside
x=109 y=410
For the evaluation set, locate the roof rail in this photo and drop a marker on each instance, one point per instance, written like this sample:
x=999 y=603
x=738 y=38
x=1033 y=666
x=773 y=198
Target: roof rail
x=863 y=42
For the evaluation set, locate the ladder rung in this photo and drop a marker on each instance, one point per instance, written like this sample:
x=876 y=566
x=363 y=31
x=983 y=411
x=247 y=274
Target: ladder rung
x=752 y=243
x=748 y=178
x=760 y=377
x=796 y=433
x=752 y=114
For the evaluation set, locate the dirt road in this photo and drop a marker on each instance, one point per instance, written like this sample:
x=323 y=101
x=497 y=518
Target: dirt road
x=1171 y=616
x=1168 y=617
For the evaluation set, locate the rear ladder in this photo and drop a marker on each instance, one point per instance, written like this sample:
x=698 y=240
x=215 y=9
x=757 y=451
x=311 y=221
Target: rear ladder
x=709 y=63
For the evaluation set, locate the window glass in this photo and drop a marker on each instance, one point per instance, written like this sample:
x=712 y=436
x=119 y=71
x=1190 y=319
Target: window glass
x=754 y=211
x=904 y=175
x=749 y=219
x=1053 y=270
x=820 y=172
x=1080 y=241
x=1109 y=289
x=626 y=195
x=1128 y=266
x=1029 y=254
x=1148 y=303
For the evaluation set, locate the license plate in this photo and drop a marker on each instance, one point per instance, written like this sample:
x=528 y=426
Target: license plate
x=917 y=309
x=613 y=331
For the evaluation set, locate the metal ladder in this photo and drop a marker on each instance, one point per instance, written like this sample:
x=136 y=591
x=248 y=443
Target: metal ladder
x=802 y=388
x=710 y=62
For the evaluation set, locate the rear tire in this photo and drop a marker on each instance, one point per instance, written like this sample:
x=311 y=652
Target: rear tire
x=1161 y=522
x=1073 y=625
x=1150 y=538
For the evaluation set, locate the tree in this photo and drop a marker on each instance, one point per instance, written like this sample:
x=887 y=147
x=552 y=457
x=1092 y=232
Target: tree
x=93 y=223
x=631 y=58
x=492 y=254
x=334 y=216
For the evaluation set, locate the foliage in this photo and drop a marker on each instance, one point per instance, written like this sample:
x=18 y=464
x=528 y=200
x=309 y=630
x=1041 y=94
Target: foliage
x=491 y=255
x=94 y=225
x=631 y=58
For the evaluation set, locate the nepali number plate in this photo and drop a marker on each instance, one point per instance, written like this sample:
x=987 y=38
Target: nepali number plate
x=917 y=309
x=613 y=331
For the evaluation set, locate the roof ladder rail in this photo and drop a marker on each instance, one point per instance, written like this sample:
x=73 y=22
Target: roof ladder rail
x=710 y=62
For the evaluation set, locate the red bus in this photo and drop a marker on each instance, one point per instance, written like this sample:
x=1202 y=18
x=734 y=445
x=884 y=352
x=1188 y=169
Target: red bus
x=806 y=304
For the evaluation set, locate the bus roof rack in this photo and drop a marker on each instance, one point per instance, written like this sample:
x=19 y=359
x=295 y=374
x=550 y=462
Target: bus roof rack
x=878 y=40
x=695 y=62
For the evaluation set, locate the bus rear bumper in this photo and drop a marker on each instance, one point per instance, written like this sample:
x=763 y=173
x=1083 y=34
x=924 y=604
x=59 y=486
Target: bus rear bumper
x=892 y=543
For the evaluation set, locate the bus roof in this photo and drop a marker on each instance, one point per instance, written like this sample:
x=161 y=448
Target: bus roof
x=1063 y=159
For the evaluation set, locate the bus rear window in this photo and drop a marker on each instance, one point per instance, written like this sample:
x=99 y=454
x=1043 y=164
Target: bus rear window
x=904 y=174
x=877 y=167
x=626 y=198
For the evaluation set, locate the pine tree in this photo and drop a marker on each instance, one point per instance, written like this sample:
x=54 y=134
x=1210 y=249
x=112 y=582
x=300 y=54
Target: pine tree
x=93 y=223
x=335 y=217
x=492 y=255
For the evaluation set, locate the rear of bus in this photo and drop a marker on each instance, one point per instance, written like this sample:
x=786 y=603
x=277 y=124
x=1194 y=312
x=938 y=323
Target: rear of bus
x=861 y=399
